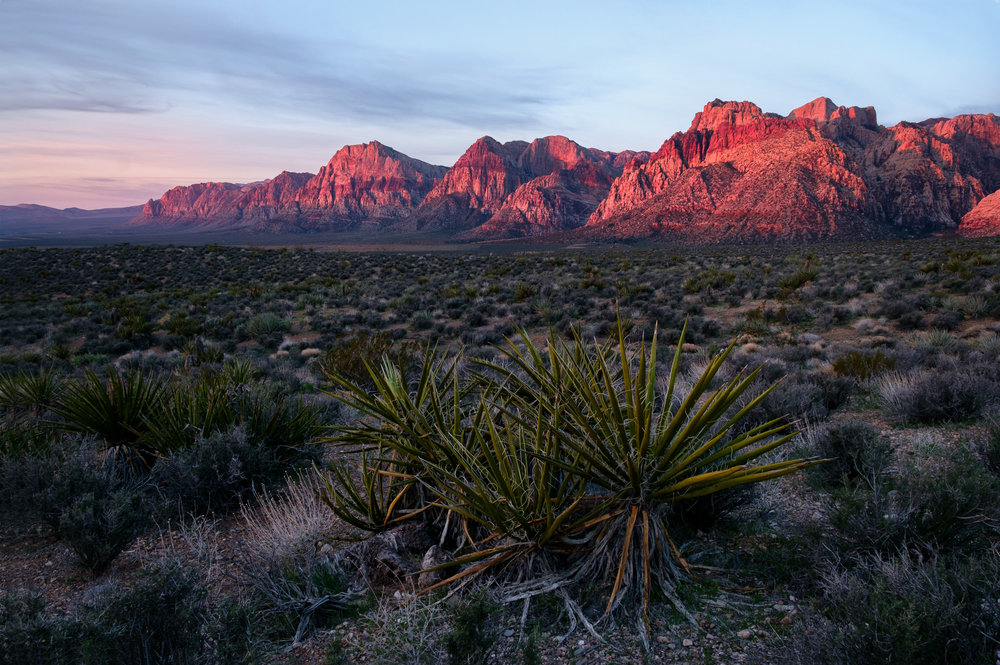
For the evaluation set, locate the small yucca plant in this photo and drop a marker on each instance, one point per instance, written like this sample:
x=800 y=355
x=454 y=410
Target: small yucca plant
x=29 y=394
x=116 y=410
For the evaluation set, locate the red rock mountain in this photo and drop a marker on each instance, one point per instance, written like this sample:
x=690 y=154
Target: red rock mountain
x=368 y=184
x=737 y=174
x=205 y=203
x=825 y=171
x=361 y=184
x=519 y=189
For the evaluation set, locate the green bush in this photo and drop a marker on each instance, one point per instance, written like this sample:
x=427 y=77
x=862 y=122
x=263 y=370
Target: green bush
x=157 y=620
x=264 y=324
x=163 y=618
x=215 y=473
x=29 y=635
x=943 y=499
x=469 y=640
x=862 y=365
x=855 y=451
x=98 y=527
x=901 y=609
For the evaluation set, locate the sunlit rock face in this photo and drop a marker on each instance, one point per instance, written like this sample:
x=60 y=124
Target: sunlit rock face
x=983 y=220
x=519 y=189
x=737 y=174
x=361 y=185
x=367 y=185
x=825 y=171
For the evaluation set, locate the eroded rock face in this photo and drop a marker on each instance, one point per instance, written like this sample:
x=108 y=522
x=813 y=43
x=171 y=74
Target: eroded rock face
x=983 y=220
x=473 y=189
x=825 y=171
x=740 y=174
x=204 y=203
x=736 y=174
x=272 y=200
x=369 y=184
x=519 y=189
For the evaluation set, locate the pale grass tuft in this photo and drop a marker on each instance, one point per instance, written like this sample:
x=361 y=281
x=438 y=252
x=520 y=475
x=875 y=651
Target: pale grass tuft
x=291 y=522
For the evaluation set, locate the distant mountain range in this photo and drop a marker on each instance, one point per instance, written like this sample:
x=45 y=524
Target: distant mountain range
x=737 y=174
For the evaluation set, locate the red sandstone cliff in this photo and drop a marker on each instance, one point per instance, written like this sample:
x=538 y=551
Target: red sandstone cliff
x=369 y=184
x=740 y=174
x=825 y=171
x=983 y=220
x=362 y=184
x=737 y=173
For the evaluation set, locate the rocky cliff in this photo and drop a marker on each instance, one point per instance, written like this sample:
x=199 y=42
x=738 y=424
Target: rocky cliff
x=739 y=174
x=736 y=174
x=369 y=184
x=983 y=220
x=825 y=171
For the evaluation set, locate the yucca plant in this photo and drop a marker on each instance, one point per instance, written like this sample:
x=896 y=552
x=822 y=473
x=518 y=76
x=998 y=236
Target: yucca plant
x=561 y=464
x=188 y=412
x=367 y=495
x=284 y=425
x=29 y=394
x=641 y=452
x=406 y=420
x=117 y=411
x=519 y=507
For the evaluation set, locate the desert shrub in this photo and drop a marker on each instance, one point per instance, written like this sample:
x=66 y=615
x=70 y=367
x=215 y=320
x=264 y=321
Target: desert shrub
x=912 y=320
x=855 y=451
x=349 y=356
x=862 y=365
x=948 y=498
x=216 y=473
x=942 y=499
x=901 y=609
x=264 y=324
x=29 y=635
x=303 y=591
x=805 y=397
x=41 y=487
x=989 y=447
x=936 y=396
x=156 y=620
x=286 y=524
x=97 y=527
x=470 y=637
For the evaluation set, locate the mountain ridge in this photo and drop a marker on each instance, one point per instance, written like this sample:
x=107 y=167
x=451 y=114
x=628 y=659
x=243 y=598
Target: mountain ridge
x=737 y=173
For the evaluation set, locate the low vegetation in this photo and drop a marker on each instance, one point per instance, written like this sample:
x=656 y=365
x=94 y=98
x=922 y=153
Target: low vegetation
x=291 y=455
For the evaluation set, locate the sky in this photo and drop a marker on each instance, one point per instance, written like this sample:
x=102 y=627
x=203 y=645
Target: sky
x=107 y=103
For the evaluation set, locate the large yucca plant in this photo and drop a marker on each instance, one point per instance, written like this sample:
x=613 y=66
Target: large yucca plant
x=639 y=451
x=560 y=463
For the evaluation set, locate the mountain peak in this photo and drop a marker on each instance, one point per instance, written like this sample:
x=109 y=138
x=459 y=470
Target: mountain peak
x=718 y=112
x=819 y=109
x=822 y=109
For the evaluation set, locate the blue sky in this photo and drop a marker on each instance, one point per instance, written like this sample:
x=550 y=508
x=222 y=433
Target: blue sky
x=111 y=102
